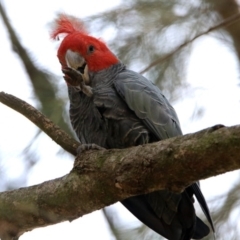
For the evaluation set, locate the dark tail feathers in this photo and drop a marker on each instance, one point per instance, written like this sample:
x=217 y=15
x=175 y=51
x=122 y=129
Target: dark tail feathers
x=197 y=192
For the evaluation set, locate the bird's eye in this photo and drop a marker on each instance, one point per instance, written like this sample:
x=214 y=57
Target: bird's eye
x=91 y=48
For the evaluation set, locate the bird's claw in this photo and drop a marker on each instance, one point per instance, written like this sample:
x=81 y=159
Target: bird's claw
x=75 y=79
x=84 y=147
x=72 y=76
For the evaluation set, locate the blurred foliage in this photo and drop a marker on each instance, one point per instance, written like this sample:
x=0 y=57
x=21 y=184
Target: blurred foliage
x=152 y=37
x=41 y=80
x=45 y=92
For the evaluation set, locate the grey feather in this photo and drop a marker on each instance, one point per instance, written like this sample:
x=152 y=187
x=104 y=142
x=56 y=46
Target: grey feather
x=148 y=103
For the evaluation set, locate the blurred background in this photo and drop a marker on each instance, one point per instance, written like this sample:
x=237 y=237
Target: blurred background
x=175 y=44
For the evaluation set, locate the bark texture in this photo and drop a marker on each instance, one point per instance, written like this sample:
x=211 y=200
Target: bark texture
x=100 y=178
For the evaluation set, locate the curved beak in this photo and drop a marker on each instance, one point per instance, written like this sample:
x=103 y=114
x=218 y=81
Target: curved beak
x=75 y=61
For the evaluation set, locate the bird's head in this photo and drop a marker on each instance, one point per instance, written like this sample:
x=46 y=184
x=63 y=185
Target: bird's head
x=78 y=49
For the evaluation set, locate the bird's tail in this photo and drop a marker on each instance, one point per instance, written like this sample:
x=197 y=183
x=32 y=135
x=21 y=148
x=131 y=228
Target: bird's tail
x=197 y=192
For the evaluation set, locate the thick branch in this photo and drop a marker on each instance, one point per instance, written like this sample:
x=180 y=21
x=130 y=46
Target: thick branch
x=100 y=178
x=46 y=125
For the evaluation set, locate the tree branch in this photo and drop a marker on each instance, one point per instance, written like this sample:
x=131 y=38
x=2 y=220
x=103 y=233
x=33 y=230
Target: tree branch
x=100 y=178
x=113 y=175
x=45 y=124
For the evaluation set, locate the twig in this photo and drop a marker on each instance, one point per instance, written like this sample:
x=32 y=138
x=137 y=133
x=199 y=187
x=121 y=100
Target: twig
x=46 y=125
x=229 y=21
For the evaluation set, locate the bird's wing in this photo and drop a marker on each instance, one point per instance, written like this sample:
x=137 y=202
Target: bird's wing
x=175 y=210
x=148 y=103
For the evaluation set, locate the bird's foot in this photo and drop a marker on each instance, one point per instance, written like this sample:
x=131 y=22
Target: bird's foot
x=75 y=79
x=79 y=163
x=84 y=147
x=72 y=76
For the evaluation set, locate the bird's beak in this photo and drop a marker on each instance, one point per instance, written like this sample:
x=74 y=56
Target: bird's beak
x=75 y=61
